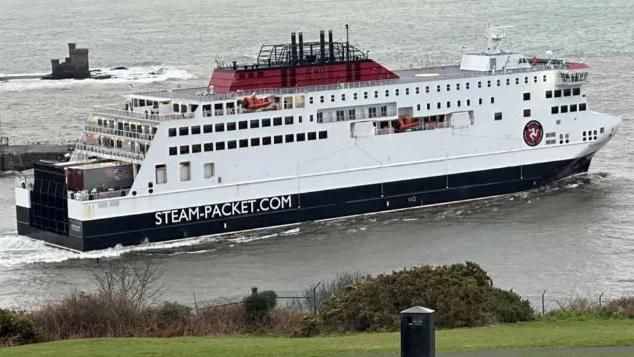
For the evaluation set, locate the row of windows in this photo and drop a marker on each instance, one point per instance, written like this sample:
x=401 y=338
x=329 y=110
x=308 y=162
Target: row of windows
x=231 y=126
x=417 y=90
x=566 y=108
x=243 y=143
x=184 y=170
x=567 y=92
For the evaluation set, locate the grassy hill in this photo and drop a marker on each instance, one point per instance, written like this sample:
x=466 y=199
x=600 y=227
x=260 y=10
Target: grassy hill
x=538 y=334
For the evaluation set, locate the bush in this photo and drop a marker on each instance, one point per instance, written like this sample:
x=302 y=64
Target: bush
x=15 y=329
x=462 y=295
x=509 y=307
x=258 y=307
x=622 y=307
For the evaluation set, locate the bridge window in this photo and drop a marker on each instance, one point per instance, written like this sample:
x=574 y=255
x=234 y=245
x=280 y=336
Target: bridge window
x=185 y=171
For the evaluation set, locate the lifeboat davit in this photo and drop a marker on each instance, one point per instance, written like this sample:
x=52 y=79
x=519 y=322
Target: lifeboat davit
x=406 y=123
x=255 y=103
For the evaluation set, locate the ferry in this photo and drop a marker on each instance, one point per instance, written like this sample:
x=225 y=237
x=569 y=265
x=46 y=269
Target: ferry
x=314 y=130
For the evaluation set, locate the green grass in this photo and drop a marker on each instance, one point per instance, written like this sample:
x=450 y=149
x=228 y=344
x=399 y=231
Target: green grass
x=513 y=336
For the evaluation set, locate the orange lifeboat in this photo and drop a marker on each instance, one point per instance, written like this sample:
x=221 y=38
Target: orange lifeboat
x=406 y=123
x=255 y=103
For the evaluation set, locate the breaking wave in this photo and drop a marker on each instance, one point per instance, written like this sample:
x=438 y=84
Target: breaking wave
x=141 y=74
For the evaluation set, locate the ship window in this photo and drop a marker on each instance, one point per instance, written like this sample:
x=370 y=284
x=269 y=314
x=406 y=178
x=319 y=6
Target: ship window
x=458 y=103
x=277 y=139
x=184 y=149
x=288 y=120
x=266 y=140
x=527 y=96
x=492 y=100
x=301 y=137
x=438 y=88
x=557 y=93
x=479 y=84
x=396 y=91
x=467 y=85
x=498 y=82
x=176 y=108
x=343 y=97
x=299 y=101
x=372 y=112
x=383 y=110
x=480 y=101
x=582 y=107
x=232 y=144
x=406 y=91
x=517 y=80
x=323 y=134
x=220 y=145
x=355 y=96
x=418 y=107
x=255 y=141
x=428 y=106
x=563 y=109
x=508 y=81
x=448 y=87
x=549 y=94
x=352 y=114
x=527 y=113
x=289 y=138
x=525 y=79
x=417 y=90
x=468 y=102
x=195 y=130
x=185 y=171
x=497 y=116
x=365 y=95
x=376 y=94
x=209 y=170
x=208 y=147
x=489 y=83
x=320 y=117
x=321 y=99
x=299 y=118
x=171 y=132
x=310 y=100
x=288 y=102
x=387 y=92
x=554 y=110
x=340 y=116
x=535 y=79
x=173 y=150
x=567 y=92
x=254 y=123
x=311 y=118
x=576 y=91
x=183 y=108
x=312 y=135
x=332 y=97
x=183 y=130
x=457 y=86
x=544 y=78
x=160 y=172
x=207 y=110
x=231 y=126
x=243 y=125
x=573 y=107
x=426 y=89
x=208 y=128
x=196 y=148
x=266 y=122
x=243 y=143
x=448 y=104
x=141 y=102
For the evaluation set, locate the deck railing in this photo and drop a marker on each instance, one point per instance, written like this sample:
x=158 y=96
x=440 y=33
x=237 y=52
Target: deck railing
x=115 y=153
x=117 y=132
x=110 y=111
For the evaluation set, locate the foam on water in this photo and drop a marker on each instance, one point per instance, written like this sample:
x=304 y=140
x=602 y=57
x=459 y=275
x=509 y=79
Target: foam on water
x=142 y=74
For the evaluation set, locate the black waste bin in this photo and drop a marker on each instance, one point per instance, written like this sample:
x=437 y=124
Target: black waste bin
x=417 y=332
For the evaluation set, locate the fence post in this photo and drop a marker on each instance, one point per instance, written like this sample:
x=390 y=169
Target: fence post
x=600 y=297
x=543 y=304
x=315 y=298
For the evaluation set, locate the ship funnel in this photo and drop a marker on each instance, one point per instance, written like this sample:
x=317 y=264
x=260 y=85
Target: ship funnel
x=322 y=46
x=293 y=48
x=331 y=46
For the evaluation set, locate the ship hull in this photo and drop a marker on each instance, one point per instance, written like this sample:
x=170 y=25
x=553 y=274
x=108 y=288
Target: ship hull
x=179 y=224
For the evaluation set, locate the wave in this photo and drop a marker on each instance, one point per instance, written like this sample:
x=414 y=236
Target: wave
x=130 y=75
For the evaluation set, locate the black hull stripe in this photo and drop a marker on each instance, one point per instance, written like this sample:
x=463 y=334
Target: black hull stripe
x=135 y=229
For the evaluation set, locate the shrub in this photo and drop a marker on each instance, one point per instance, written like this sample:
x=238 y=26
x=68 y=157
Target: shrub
x=462 y=295
x=258 y=307
x=15 y=328
x=622 y=307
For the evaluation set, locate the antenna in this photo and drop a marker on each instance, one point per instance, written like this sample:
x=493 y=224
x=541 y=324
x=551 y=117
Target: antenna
x=347 y=44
